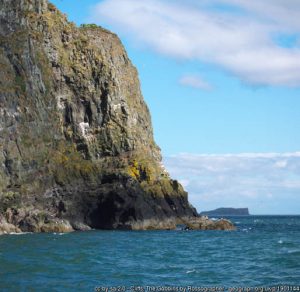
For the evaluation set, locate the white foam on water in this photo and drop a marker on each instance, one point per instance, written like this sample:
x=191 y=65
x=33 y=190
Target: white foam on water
x=18 y=233
x=280 y=241
x=293 y=251
x=191 y=271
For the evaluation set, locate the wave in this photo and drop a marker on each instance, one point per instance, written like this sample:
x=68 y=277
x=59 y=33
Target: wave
x=190 y=271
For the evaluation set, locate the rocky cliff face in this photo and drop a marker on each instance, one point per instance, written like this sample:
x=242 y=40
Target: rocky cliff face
x=76 y=141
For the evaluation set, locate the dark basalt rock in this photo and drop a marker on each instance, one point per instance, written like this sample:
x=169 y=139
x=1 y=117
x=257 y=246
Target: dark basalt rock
x=76 y=141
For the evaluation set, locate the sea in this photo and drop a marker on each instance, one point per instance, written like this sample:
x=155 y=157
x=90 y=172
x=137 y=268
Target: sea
x=263 y=254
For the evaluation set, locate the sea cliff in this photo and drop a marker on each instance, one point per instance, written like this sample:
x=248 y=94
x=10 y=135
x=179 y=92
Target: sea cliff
x=76 y=141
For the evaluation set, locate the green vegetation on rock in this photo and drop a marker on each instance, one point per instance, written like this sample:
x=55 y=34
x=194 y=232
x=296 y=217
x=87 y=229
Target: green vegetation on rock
x=9 y=200
x=89 y=25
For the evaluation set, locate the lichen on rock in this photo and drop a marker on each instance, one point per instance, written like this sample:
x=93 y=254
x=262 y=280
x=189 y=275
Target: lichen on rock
x=76 y=140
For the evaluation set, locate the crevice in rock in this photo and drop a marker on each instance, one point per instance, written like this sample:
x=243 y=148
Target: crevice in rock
x=68 y=114
x=88 y=115
x=104 y=106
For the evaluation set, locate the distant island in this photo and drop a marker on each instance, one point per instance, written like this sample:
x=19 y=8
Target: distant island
x=227 y=212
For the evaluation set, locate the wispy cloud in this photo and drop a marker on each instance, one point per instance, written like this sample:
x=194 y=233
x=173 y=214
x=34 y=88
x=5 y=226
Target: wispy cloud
x=237 y=35
x=264 y=182
x=194 y=81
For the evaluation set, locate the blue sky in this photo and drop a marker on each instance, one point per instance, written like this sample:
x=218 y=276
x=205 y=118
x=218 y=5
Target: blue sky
x=220 y=77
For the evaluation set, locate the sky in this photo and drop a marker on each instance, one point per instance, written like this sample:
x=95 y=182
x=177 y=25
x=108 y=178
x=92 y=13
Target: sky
x=222 y=81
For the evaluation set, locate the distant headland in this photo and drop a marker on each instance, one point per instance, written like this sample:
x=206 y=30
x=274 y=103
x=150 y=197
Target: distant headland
x=227 y=212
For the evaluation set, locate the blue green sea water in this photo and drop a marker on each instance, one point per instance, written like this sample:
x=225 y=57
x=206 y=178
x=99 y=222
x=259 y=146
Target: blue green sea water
x=263 y=252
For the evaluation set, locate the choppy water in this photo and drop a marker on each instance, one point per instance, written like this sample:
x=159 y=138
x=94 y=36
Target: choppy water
x=264 y=251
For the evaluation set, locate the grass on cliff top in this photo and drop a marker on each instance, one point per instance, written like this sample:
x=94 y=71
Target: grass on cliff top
x=89 y=25
x=95 y=26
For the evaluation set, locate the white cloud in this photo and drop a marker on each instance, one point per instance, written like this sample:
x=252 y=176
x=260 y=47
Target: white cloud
x=285 y=13
x=194 y=81
x=240 y=42
x=264 y=182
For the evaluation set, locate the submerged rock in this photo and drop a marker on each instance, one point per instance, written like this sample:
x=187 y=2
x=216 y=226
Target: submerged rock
x=76 y=140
